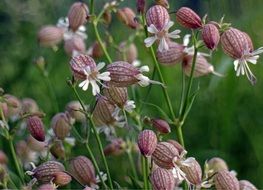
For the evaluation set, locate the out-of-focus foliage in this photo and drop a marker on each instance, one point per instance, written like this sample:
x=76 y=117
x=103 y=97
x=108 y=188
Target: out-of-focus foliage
x=226 y=119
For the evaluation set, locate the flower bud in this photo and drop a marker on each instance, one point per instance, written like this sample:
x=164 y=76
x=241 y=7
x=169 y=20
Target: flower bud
x=36 y=128
x=226 y=180
x=161 y=125
x=249 y=41
x=162 y=179
x=202 y=67
x=211 y=36
x=61 y=178
x=234 y=43
x=47 y=186
x=216 y=164
x=158 y=16
x=193 y=172
x=127 y=16
x=140 y=4
x=3 y=158
x=49 y=36
x=44 y=173
x=36 y=145
x=177 y=145
x=164 y=155
x=57 y=149
x=128 y=52
x=74 y=108
x=147 y=142
x=116 y=95
x=246 y=185
x=61 y=125
x=29 y=105
x=188 y=18
x=123 y=74
x=173 y=55
x=77 y=15
x=82 y=170
x=79 y=63
x=13 y=104
x=116 y=147
x=107 y=18
x=163 y=3
x=96 y=50
x=75 y=44
x=103 y=112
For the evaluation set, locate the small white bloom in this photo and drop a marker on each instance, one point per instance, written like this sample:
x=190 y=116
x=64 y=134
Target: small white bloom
x=63 y=23
x=94 y=76
x=241 y=65
x=190 y=50
x=161 y=35
x=129 y=106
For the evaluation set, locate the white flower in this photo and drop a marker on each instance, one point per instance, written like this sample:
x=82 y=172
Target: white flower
x=63 y=23
x=190 y=50
x=241 y=65
x=93 y=76
x=161 y=36
x=129 y=106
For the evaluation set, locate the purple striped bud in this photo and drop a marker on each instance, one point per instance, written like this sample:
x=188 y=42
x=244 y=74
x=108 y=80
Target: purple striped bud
x=226 y=180
x=77 y=15
x=82 y=169
x=162 y=179
x=44 y=173
x=140 y=4
x=74 y=109
x=61 y=178
x=96 y=50
x=57 y=149
x=50 y=36
x=36 y=128
x=127 y=17
x=193 y=173
x=75 y=44
x=161 y=125
x=177 y=145
x=211 y=36
x=173 y=55
x=246 y=185
x=123 y=74
x=103 y=113
x=188 y=18
x=29 y=106
x=61 y=125
x=158 y=16
x=147 y=142
x=164 y=155
x=116 y=95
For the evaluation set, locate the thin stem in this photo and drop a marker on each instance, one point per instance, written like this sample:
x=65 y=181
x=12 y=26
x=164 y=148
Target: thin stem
x=95 y=164
x=182 y=92
x=135 y=175
x=144 y=172
x=101 y=151
x=91 y=7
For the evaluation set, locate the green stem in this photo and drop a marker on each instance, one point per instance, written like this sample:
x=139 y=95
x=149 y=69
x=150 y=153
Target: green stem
x=95 y=164
x=144 y=170
x=135 y=175
x=96 y=134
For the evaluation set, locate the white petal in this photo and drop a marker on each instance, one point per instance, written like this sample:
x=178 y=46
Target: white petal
x=129 y=106
x=163 y=46
x=100 y=65
x=236 y=63
x=95 y=88
x=168 y=25
x=144 y=68
x=186 y=39
x=150 y=40
x=143 y=80
x=87 y=71
x=258 y=51
x=174 y=34
x=253 y=59
x=84 y=85
x=152 y=29
x=136 y=63
x=104 y=76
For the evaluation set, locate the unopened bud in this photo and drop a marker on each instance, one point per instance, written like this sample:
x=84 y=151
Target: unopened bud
x=77 y=15
x=36 y=128
x=74 y=109
x=82 y=170
x=147 y=142
x=116 y=147
x=128 y=52
x=61 y=178
x=127 y=16
x=140 y=4
x=57 y=149
x=61 y=125
x=188 y=18
x=29 y=105
x=116 y=95
x=162 y=179
x=177 y=145
x=226 y=180
x=211 y=36
x=246 y=185
x=161 y=125
x=193 y=173
x=216 y=164
x=164 y=155
x=158 y=16
x=50 y=36
x=163 y=3
x=75 y=44
x=96 y=50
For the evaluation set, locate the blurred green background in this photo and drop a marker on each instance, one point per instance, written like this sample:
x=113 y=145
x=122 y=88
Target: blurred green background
x=227 y=117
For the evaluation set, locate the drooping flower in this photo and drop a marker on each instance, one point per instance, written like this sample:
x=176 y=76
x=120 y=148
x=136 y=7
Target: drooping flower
x=84 y=68
x=158 y=21
x=238 y=45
